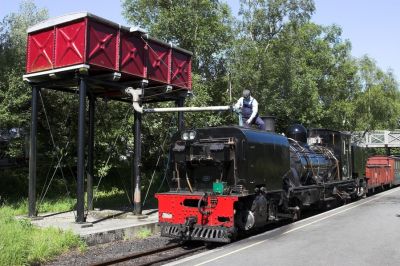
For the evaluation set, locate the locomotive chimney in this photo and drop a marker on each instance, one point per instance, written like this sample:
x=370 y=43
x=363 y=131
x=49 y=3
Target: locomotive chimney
x=269 y=122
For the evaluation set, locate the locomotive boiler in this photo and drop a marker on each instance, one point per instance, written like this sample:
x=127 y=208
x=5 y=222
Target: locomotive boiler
x=226 y=180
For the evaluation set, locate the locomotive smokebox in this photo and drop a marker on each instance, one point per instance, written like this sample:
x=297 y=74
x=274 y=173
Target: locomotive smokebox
x=269 y=122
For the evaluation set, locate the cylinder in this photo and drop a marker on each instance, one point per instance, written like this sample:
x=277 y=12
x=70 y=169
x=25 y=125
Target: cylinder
x=269 y=122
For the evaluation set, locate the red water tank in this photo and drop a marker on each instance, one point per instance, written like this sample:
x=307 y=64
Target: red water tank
x=86 y=39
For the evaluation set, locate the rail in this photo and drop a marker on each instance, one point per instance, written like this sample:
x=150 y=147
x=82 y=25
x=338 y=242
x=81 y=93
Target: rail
x=150 y=253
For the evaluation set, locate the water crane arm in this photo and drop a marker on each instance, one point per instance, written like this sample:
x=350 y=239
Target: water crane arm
x=135 y=93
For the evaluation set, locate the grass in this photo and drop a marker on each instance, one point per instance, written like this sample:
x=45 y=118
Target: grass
x=20 y=207
x=113 y=198
x=143 y=233
x=21 y=243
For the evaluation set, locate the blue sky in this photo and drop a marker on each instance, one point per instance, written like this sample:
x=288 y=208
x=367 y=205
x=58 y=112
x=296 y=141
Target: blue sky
x=371 y=26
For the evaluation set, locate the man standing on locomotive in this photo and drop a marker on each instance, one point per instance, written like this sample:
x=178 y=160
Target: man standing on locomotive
x=249 y=110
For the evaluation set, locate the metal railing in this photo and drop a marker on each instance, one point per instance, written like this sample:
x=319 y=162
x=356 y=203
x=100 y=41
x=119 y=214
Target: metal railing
x=377 y=139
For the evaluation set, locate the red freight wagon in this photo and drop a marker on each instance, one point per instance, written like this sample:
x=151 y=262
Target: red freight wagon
x=380 y=171
x=85 y=40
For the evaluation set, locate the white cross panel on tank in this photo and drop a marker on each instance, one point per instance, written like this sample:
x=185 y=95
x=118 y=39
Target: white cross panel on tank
x=377 y=139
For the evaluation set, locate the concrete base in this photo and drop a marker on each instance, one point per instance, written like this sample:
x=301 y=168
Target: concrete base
x=139 y=217
x=35 y=218
x=84 y=224
x=102 y=226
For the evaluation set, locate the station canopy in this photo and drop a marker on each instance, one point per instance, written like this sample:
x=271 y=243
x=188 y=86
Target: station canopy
x=110 y=56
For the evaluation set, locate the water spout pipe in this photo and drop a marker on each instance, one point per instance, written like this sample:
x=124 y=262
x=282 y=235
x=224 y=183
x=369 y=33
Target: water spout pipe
x=135 y=93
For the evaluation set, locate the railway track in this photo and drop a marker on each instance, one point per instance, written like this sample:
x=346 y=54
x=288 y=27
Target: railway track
x=154 y=256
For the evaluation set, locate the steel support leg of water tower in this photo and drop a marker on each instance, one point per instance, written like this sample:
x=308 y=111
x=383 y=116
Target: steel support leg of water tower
x=92 y=105
x=137 y=203
x=80 y=205
x=32 y=153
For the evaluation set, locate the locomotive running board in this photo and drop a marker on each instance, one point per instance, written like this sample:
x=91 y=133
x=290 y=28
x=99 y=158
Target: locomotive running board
x=211 y=234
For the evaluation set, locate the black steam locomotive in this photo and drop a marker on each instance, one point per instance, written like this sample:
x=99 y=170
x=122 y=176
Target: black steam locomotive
x=227 y=180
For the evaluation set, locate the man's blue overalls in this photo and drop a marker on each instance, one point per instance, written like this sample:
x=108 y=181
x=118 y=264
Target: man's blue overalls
x=247 y=110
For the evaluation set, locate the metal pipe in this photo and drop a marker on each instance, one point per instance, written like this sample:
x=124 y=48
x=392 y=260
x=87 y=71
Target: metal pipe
x=137 y=163
x=138 y=108
x=32 y=153
x=187 y=109
x=135 y=98
x=92 y=105
x=180 y=102
x=80 y=205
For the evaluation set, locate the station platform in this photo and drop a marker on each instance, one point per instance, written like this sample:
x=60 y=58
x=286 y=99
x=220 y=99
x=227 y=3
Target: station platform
x=102 y=226
x=365 y=232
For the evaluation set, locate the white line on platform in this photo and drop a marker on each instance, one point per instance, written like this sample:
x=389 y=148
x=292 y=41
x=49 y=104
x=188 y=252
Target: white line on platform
x=346 y=208
x=334 y=213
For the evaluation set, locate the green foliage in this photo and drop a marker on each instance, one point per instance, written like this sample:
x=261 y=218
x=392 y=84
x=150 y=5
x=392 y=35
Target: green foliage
x=17 y=236
x=203 y=27
x=14 y=93
x=377 y=106
x=110 y=198
x=20 y=206
x=299 y=71
x=304 y=73
x=268 y=58
x=21 y=243
x=263 y=20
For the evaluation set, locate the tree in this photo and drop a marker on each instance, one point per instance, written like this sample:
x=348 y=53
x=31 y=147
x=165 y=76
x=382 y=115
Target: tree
x=267 y=57
x=304 y=72
x=378 y=104
x=14 y=93
x=263 y=20
x=203 y=27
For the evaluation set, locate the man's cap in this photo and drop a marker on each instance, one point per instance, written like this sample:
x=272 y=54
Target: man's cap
x=246 y=93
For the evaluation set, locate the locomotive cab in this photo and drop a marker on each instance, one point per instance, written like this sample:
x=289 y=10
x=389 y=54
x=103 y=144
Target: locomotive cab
x=339 y=143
